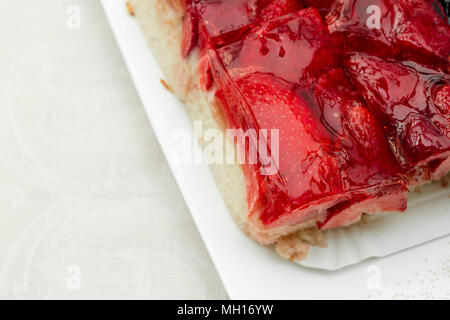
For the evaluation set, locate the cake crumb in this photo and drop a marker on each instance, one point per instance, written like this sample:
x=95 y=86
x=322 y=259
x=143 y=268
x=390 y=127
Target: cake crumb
x=130 y=8
x=364 y=218
x=444 y=183
x=166 y=85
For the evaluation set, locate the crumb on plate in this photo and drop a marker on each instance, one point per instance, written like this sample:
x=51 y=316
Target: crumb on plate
x=130 y=8
x=166 y=85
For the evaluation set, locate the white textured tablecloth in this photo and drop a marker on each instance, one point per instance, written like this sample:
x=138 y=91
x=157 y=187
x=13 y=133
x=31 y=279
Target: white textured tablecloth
x=88 y=205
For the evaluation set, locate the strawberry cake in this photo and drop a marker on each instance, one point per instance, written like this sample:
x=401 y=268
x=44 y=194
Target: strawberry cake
x=357 y=91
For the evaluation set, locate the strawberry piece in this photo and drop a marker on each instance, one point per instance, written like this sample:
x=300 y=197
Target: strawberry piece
x=442 y=100
x=308 y=174
x=372 y=174
x=296 y=47
x=350 y=22
x=424 y=32
x=226 y=21
x=338 y=161
x=355 y=129
x=410 y=29
x=408 y=98
x=391 y=198
x=216 y=23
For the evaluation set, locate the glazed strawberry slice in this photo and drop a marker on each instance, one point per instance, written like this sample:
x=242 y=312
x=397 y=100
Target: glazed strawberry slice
x=373 y=176
x=352 y=22
x=296 y=47
x=215 y=23
x=356 y=131
x=411 y=102
x=424 y=31
x=411 y=29
x=441 y=98
x=307 y=181
x=226 y=21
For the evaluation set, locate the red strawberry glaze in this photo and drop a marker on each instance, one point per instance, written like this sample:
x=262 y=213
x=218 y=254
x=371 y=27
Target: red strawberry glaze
x=424 y=33
x=265 y=69
x=409 y=29
x=442 y=100
x=346 y=160
x=308 y=172
x=412 y=103
x=295 y=47
x=348 y=19
x=370 y=167
x=274 y=66
x=226 y=21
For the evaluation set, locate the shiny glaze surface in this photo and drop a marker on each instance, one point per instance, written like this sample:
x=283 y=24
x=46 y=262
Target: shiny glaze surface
x=221 y=22
x=308 y=170
x=412 y=102
x=409 y=29
x=368 y=167
x=296 y=47
x=274 y=66
x=270 y=69
x=356 y=132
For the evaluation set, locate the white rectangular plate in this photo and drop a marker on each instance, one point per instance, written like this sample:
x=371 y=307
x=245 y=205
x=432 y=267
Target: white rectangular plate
x=250 y=271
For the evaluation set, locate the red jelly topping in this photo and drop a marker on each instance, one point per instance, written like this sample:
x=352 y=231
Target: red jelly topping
x=345 y=147
x=348 y=21
x=308 y=171
x=407 y=29
x=441 y=99
x=411 y=101
x=424 y=34
x=355 y=131
x=368 y=167
x=226 y=21
x=296 y=47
